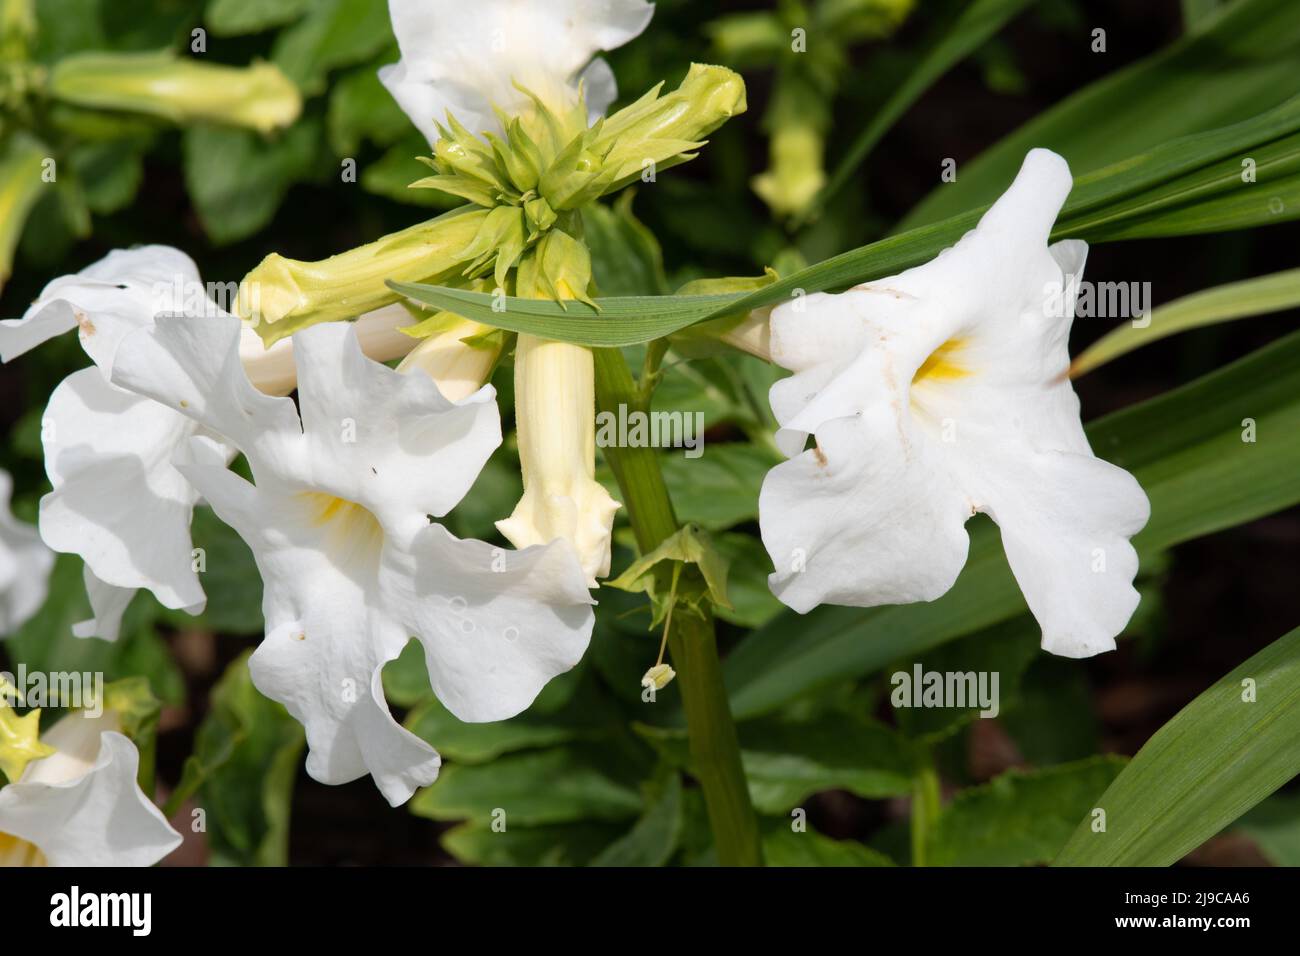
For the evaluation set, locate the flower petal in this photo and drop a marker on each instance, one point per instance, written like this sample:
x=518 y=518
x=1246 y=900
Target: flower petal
x=939 y=393
x=122 y=292
x=118 y=501
x=107 y=605
x=870 y=516
x=465 y=59
x=1066 y=519
x=25 y=565
x=496 y=625
x=391 y=442
x=84 y=808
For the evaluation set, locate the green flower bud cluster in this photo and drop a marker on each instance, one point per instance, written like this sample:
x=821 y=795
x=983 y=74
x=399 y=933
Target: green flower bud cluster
x=549 y=164
x=520 y=230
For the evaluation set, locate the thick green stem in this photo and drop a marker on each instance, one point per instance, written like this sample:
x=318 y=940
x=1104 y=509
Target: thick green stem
x=926 y=805
x=715 y=748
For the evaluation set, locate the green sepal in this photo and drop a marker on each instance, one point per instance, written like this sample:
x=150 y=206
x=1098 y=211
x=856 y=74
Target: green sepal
x=690 y=545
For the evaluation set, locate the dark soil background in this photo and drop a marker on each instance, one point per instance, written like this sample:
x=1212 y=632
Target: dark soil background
x=1225 y=596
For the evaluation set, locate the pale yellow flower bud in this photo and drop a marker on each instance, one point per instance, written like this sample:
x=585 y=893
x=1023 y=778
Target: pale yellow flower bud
x=258 y=97
x=555 y=413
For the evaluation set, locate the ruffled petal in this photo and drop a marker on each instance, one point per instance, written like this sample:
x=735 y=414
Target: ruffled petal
x=496 y=625
x=25 y=565
x=388 y=441
x=107 y=300
x=118 y=501
x=82 y=806
x=465 y=59
x=107 y=605
x=1066 y=521
x=870 y=516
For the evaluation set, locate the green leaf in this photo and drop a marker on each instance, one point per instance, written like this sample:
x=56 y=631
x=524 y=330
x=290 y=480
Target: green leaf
x=237 y=179
x=560 y=785
x=1236 y=300
x=1184 y=447
x=752 y=602
x=111 y=173
x=625 y=256
x=1274 y=826
x=787 y=760
x=588 y=714
x=720 y=488
x=565 y=844
x=242 y=771
x=361 y=108
x=1243 y=61
x=1189 y=185
x=653 y=839
x=976 y=23
x=46 y=643
x=391 y=175
x=1021 y=817
x=1005 y=650
x=784 y=847
x=1219 y=756
x=334 y=33
x=688 y=545
x=232 y=18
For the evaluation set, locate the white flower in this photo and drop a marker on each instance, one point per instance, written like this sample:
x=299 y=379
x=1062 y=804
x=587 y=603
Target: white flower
x=937 y=394
x=81 y=806
x=25 y=565
x=466 y=57
x=118 y=501
x=340 y=521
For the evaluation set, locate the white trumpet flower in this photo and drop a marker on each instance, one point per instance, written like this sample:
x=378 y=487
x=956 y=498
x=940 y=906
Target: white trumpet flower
x=118 y=501
x=25 y=565
x=937 y=394
x=340 y=521
x=81 y=805
x=469 y=58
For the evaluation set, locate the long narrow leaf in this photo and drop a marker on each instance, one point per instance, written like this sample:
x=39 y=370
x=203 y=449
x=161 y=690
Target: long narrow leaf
x=1164 y=191
x=977 y=21
x=1223 y=753
x=1236 y=300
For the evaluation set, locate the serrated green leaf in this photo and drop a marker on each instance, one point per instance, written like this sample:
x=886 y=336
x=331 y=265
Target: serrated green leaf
x=559 y=785
x=1219 y=756
x=241 y=773
x=565 y=844
x=784 y=847
x=1021 y=817
x=654 y=837
x=588 y=714
x=237 y=179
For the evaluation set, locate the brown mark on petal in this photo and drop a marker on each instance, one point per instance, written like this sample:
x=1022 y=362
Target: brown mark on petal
x=86 y=327
x=300 y=636
x=896 y=293
x=819 y=455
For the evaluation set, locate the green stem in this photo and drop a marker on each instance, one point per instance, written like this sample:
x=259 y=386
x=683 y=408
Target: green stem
x=926 y=804
x=715 y=748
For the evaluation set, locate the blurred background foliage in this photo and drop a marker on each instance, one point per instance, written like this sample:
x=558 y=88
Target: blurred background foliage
x=843 y=144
